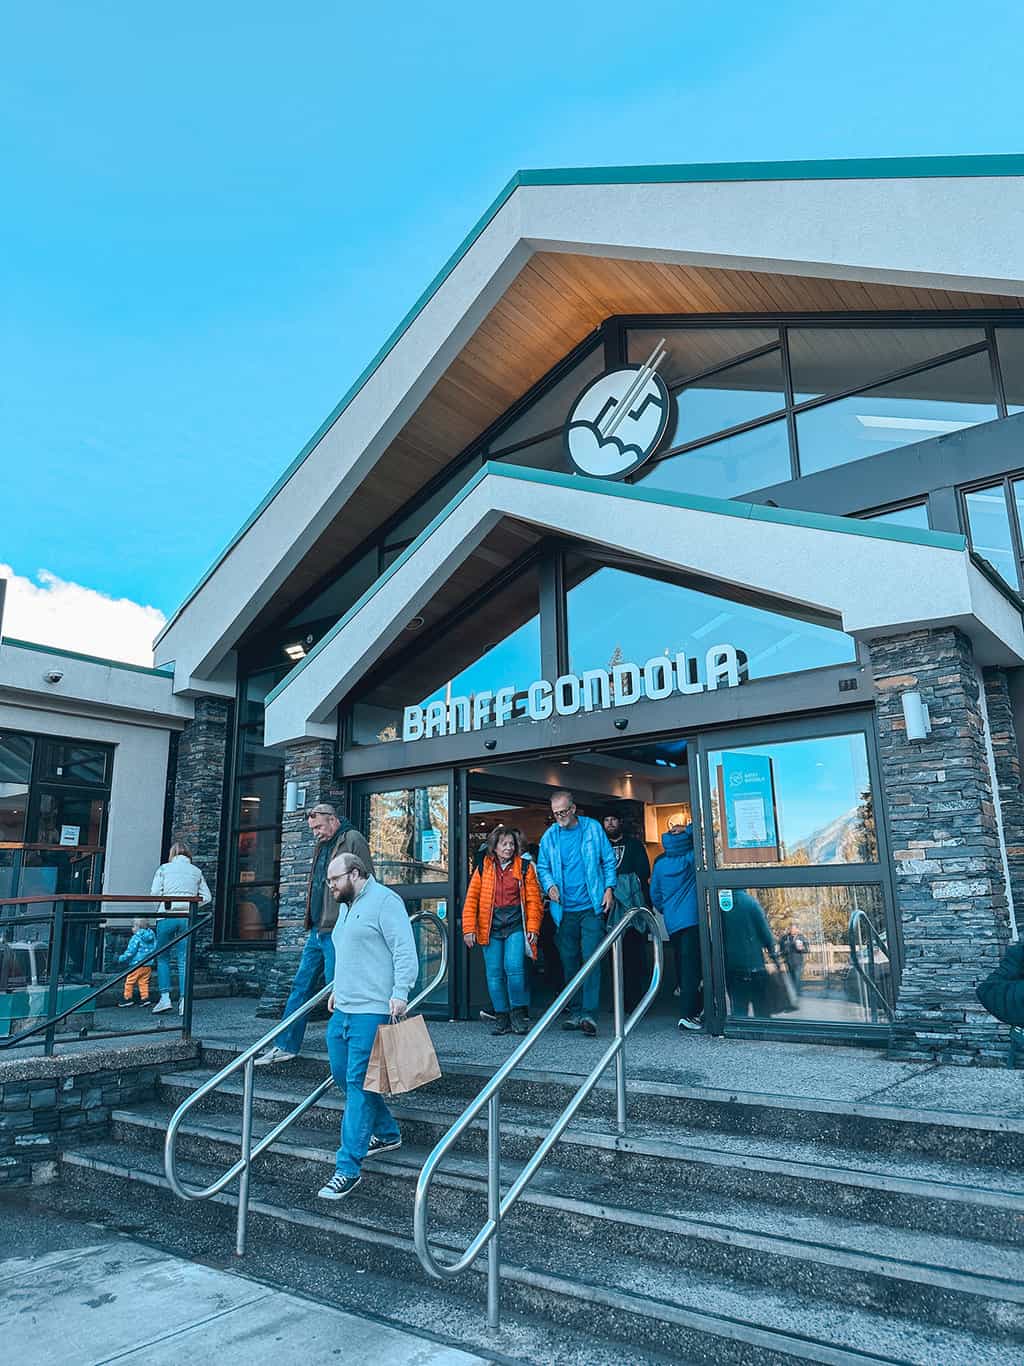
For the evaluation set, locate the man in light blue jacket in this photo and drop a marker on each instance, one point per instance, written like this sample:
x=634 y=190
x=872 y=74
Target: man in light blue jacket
x=576 y=867
x=375 y=970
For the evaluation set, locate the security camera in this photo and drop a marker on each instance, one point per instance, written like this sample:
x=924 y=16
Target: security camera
x=53 y=675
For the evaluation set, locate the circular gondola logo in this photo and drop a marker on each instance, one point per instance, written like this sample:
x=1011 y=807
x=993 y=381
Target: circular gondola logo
x=619 y=420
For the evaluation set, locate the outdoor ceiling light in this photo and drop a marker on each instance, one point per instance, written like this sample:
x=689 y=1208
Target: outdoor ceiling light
x=296 y=651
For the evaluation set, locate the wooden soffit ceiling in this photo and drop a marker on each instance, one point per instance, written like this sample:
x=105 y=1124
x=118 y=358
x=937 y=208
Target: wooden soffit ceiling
x=554 y=302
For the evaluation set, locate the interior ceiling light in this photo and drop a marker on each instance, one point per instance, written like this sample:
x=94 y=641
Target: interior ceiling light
x=565 y=761
x=295 y=651
x=627 y=775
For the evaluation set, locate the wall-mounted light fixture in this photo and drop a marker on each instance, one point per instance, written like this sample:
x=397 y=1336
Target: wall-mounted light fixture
x=294 y=797
x=915 y=714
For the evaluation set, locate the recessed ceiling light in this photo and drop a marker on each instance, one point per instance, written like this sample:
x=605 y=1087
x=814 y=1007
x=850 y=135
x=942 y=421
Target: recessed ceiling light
x=565 y=761
x=627 y=775
x=296 y=651
x=414 y=623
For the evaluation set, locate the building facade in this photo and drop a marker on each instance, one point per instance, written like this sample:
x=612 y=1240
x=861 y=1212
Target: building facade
x=698 y=491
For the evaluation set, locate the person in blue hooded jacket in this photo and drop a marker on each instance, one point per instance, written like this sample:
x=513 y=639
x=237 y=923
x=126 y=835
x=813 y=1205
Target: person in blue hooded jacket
x=674 y=894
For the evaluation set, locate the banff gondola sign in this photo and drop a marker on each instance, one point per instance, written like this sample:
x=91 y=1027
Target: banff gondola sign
x=593 y=690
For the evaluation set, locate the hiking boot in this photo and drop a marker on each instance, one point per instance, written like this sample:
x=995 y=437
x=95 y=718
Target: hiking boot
x=502 y=1023
x=520 y=1021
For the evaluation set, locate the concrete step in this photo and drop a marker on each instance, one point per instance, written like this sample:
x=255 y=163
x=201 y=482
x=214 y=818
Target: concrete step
x=955 y=1282
x=904 y=1191
x=996 y=1140
x=580 y=1283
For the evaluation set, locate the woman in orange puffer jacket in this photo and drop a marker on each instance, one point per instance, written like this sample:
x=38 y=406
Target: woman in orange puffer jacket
x=503 y=913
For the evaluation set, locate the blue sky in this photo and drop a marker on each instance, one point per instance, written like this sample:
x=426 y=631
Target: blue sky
x=214 y=215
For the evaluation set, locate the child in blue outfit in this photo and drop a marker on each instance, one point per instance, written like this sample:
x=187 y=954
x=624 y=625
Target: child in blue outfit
x=141 y=944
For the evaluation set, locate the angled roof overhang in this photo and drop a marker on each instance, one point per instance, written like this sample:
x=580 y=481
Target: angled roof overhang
x=875 y=580
x=557 y=253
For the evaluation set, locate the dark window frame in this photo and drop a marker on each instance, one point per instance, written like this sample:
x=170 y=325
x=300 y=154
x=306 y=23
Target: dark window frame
x=1005 y=482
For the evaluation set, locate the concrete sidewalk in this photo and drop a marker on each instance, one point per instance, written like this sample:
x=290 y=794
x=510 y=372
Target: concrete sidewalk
x=112 y=1299
x=657 y=1052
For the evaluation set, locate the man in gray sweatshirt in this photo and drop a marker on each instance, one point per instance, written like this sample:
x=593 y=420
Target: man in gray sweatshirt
x=375 y=970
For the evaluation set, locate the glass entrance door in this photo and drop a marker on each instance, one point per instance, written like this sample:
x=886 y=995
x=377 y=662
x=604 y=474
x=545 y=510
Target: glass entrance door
x=796 y=879
x=408 y=826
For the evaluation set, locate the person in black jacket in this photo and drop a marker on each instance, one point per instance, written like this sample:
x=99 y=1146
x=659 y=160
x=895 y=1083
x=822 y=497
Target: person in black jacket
x=1002 y=992
x=631 y=857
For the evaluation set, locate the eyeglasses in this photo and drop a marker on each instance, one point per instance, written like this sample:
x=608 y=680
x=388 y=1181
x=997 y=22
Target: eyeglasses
x=565 y=811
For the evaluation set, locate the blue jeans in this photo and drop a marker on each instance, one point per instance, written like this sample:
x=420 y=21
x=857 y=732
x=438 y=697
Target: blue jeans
x=349 y=1041
x=165 y=931
x=505 y=960
x=577 y=937
x=317 y=953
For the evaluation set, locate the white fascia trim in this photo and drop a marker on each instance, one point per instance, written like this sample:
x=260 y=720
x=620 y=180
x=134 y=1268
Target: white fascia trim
x=961 y=234
x=872 y=586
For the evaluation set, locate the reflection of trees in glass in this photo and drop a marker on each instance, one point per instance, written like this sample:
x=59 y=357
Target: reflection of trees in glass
x=822 y=914
x=398 y=822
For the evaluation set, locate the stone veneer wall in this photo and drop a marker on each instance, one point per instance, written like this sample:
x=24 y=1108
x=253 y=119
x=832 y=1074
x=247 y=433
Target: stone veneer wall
x=1008 y=774
x=949 y=875
x=199 y=793
x=311 y=764
x=47 y=1104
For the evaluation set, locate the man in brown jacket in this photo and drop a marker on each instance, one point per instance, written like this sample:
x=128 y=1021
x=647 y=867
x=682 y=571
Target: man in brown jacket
x=333 y=836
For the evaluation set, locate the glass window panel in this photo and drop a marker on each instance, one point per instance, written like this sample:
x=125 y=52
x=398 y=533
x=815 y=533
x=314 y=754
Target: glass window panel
x=944 y=399
x=428 y=947
x=259 y=800
x=729 y=398
x=255 y=693
x=59 y=809
x=989 y=521
x=75 y=763
x=258 y=852
x=916 y=516
x=251 y=915
x=1010 y=344
x=497 y=645
x=411 y=525
x=826 y=360
x=408 y=834
x=13 y=806
x=796 y=803
x=338 y=597
x=693 y=349
x=735 y=465
x=808 y=927
x=6 y=875
x=254 y=758
x=552 y=408
x=16 y=759
x=542 y=455
x=616 y=615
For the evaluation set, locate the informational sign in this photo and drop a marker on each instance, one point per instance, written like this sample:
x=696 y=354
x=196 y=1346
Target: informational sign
x=725 y=899
x=723 y=666
x=430 y=846
x=749 y=801
x=619 y=420
x=69 y=834
x=442 y=910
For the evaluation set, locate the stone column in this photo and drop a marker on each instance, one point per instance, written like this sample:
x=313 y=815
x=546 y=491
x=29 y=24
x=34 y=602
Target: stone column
x=311 y=764
x=199 y=790
x=950 y=888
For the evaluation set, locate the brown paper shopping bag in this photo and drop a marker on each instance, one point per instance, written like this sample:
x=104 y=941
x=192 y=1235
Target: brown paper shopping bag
x=376 y=1078
x=407 y=1061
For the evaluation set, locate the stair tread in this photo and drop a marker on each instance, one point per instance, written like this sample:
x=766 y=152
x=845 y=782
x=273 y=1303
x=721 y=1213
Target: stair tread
x=815 y=1160
x=790 y=1229
x=653 y=1287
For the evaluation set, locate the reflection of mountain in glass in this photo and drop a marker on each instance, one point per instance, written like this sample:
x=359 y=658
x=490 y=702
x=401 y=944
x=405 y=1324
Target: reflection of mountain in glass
x=849 y=838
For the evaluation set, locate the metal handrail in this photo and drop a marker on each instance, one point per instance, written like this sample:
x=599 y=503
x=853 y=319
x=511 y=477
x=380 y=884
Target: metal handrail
x=498 y=1208
x=59 y=920
x=874 y=937
x=243 y=1166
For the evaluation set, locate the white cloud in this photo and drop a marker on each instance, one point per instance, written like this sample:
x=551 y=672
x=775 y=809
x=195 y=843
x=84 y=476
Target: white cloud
x=52 y=611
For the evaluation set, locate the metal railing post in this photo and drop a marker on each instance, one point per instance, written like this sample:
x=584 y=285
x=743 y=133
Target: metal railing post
x=187 y=985
x=494 y=1211
x=56 y=954
x=243 y=1179
x=620 y=1037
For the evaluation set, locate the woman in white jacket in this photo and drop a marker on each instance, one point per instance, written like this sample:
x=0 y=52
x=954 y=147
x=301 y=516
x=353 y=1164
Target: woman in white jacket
x=178 y=877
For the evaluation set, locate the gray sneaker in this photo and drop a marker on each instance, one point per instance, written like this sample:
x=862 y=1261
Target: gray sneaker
x=273 y=1055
